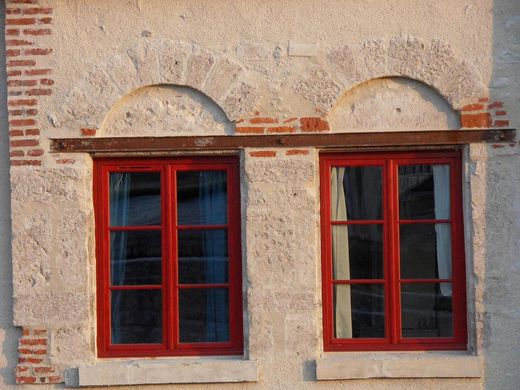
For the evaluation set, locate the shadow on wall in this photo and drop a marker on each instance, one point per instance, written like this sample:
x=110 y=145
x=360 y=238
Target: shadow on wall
x=165 y=110
x=501 y=220
x=392 y=103
x=9 y=335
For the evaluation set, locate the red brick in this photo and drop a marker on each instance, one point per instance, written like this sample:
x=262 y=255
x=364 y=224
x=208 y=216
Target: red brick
x=17 y=153
x=239 y=121
x=40 y=332
x=22 y=122
x=27 y=351
x=37 y=11
x=45 y=20
x=65 y=161
x=37 y=31
x=263 y=153
x=263 y=120
x=495 y=105
x=22 y=368
x=25 y=379
x=15 y=133
x=37 y=72
x=294 y=152
x=21 y=63
x=20 y=163
x=281 y=129
x=44 y=370
x=250 y=130
x=23 y=1
x=33 y=132
x=13 y=11
x=54 y=379
x=290 y=120
x=483 y=100
x=17 y=144
x=39 y=92
x=18 y=42
x=35 y=152
x=22 y=83
x=12 y=32
x=501 y=123
x=473 y=107
x=47 y=82
x=500 y=113
x=88 y=132
x=498 y=146
x=26 y=332
x=23 y=102
x=20 y=21
x=314 y=124
x=37 y=52
x=476 y=120
x=12 y=53
x=33 y=341
x=14 y=93
x=14 y=73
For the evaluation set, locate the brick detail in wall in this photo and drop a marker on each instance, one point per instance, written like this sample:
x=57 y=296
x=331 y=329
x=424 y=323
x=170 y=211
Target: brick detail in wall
x=33 y=359
x=29 y=79
x=484 y=114
x=268 y=125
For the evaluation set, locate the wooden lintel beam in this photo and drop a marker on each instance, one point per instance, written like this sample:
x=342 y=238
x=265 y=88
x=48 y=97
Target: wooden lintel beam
x=329 y=140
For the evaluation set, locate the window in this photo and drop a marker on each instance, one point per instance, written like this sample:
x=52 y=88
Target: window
x=169 y=258
x=392 y=251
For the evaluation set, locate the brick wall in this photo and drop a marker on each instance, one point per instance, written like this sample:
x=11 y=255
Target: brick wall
x=28 y=78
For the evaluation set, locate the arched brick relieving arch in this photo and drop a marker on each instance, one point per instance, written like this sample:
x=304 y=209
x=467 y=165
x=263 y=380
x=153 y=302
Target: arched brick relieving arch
x=156 y=62
x=432 y=63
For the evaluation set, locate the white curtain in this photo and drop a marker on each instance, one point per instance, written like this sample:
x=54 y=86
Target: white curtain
x=441 y=185
x=340 y=255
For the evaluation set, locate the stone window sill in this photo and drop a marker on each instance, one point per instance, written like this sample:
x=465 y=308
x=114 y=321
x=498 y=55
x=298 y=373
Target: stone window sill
x=163 y=371
x=365 y=365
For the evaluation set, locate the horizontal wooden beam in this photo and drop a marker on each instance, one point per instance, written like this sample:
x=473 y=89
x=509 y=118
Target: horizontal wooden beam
x=329 y=140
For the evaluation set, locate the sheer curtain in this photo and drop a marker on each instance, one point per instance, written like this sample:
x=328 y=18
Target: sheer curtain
x=213 y=202
x=119 y=202
x=340 y=255
x=441 y=185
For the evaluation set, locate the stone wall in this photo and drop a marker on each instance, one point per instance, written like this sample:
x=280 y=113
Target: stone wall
x=79 y=68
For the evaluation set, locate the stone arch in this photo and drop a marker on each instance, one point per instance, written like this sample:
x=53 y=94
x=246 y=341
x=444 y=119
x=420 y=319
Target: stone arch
x=432 y=63
x=165 y=110
x=392 y=103
x=156 y=62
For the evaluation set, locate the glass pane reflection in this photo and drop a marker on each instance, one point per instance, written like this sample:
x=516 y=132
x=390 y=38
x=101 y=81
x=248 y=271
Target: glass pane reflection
x=356 y=193
x=424 y=191
x=359 y=311
x=357 y=252
x=427 y=310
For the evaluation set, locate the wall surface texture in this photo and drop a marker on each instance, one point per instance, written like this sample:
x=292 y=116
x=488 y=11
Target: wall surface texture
x=94 y=68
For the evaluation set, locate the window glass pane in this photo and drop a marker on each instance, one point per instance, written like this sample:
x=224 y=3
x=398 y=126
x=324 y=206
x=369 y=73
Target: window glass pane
x=203 y=256
x=356 y=193
x=358 y=254
x=359 y=311
x=425 y=251
x=135 y=199
x=203 y=315
x=136 y=317
x=135 y=257
x=424 y=191
x=426 y=310
x=202 y=197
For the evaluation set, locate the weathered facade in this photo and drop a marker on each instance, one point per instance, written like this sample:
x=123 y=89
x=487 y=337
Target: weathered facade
x=132 y=68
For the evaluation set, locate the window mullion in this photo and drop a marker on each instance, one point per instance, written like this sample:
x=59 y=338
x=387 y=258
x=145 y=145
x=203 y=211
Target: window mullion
x=172 y=256
x=394 y=315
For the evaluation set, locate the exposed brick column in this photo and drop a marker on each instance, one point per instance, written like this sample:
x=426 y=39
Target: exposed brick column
x=33 y=359
x=28 y=79
x=268 y=125
x=484 y=114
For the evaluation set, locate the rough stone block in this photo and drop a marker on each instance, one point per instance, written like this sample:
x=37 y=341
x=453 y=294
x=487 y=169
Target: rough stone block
x=71 y=346
x=318 y=88
x=341 y=60
x=222 y=77
x=144 y=56
x=405 y=56
x=172 y=61
x=240 y=100
x=297 y=49
x=199 y=66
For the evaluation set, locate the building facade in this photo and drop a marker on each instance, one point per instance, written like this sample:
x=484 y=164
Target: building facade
x=260 y=196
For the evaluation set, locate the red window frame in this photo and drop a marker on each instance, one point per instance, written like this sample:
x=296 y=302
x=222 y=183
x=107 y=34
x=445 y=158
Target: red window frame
x=393 y=341
x=170 y=324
